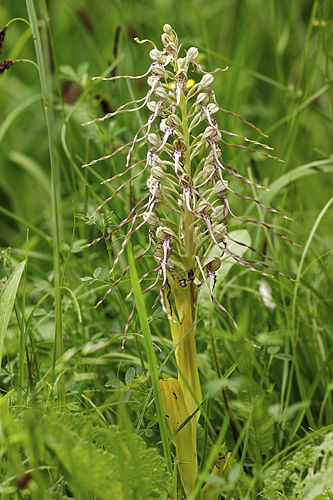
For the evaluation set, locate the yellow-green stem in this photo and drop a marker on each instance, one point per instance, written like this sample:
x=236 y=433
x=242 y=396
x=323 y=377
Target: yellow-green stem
x=183 y=337
x=183 y=325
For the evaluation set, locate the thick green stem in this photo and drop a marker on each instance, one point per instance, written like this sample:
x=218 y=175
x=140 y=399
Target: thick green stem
x=183 y=325
x=182 y=328
x=183 y=337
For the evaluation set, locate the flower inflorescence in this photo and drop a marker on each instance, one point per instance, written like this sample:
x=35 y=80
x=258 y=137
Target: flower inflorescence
x=185 y=206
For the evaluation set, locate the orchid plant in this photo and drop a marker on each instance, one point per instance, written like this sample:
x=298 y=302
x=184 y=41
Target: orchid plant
x=184 y=209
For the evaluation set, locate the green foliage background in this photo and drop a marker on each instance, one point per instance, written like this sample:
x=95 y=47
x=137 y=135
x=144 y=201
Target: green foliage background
x=273 y=377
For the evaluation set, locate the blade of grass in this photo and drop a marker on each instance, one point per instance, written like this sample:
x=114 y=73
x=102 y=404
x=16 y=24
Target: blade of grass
x=152 y=361
x=26 y=224
x=56 y=214
x=15 y=113
x=31 y=167
x=22 y=329
x=314 y=167
x=26 y=332
x=7 y=298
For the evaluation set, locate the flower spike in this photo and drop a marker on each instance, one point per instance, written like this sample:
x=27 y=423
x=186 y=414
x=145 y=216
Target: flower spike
x=186 y=214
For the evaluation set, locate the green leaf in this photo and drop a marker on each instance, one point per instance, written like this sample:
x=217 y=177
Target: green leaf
x=129 y=375
x=69 y=73
x=97 y=272
x=7 y=298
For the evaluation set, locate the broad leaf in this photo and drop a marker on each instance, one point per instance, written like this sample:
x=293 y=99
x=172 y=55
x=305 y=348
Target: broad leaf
x=7 y=298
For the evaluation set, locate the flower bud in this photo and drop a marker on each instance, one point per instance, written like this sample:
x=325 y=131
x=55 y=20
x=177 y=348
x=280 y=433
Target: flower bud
x=219 y=232
x=159 y=70
x=161 y=93
x=151 y=105
x=158 y=251
x=153 y=139
x=186 y=180
x=208 y=170
x=219 y=213
x=179 y=145
x=192 y=54
x=151 y=80
x=168 y=30
x=173 y=120
x=182 y=64
x=151 y=219
x=213 y=264
x=181 y=77
x=163 y=125
x=151 y=184
x=219 y=187
x=166 y=39
x=211 y=133
x=157 y=173
x=163 y=232
x=203 y=206
x=210 y=158
x=171 y=48
x=206 y=81
x=212 y=108
x=202 y=99
x=155 y=55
